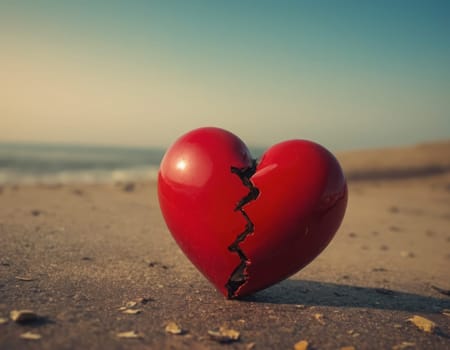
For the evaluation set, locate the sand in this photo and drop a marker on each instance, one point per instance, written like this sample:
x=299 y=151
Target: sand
x=75 y=254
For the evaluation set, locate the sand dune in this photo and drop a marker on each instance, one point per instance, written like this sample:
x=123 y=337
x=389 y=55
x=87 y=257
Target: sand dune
x=397 y=163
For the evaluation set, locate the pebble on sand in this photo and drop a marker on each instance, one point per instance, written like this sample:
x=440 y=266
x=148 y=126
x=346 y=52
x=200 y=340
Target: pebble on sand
x=23 y=316
x=174 y=328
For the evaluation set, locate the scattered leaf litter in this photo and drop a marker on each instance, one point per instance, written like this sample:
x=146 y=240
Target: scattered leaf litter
x=404 y=345
x=173 y=328
x=224 y=335
x=250 y=346
x=301 y=345
x=23 y=316
x=129 y=335
x=423 y=323
x=350 y=347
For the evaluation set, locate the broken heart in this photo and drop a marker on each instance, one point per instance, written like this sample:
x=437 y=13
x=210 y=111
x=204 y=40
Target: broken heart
x=247 y=225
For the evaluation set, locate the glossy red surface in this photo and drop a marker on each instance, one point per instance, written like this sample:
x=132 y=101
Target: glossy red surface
x=301 y=203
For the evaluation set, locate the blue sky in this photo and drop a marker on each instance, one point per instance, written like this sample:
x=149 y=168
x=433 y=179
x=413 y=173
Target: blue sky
x=348 y=74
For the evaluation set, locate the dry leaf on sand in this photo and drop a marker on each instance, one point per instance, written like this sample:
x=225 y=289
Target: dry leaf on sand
x=224 y=335
x=173 y=328
x=301 y=345
x=132 y=311
x=30 y=336
x=423 y=323
x=129 y=335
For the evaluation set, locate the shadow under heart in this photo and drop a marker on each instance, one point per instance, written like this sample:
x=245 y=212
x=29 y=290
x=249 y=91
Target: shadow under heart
x=341 y=295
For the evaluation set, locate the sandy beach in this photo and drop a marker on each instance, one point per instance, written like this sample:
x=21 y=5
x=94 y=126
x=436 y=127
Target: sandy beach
x=77 y=254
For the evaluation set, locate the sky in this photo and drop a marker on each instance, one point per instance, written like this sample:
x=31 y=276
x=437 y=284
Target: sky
x=347 y=74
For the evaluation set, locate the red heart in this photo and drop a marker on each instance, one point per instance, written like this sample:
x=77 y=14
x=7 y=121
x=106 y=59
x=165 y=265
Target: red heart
x=245 y=227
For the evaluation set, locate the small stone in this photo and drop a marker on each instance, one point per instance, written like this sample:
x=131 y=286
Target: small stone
x=30 y=336
x=405 y=254
x=3 y=320
x=35 y=212
x=423 y=323
x=404 y=345
x=173 y=328
x=132 y=311
x=394 y=209
x=78 y=192
x=300 y=306
x=301 y=345
x=23 y=316
x=129 y=335
x=129 y=187
x=224 y=335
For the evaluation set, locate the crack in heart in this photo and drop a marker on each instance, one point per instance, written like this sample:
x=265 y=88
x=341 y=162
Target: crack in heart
x=240 y=275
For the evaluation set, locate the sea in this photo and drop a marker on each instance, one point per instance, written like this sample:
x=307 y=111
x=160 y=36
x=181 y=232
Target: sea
x=26 y=163
x=22 y=163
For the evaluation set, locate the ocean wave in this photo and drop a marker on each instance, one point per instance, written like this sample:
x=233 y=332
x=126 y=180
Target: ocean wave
x=10 y=177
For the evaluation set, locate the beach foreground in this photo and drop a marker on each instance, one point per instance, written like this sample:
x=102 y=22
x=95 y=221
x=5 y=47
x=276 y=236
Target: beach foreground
x=76 y=254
